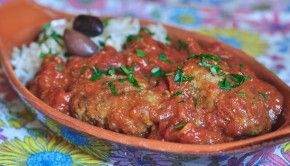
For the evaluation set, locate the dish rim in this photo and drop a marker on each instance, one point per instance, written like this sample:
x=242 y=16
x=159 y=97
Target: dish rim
x=255 y=143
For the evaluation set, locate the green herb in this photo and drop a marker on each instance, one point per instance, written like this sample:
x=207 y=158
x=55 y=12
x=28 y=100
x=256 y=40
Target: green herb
x=83 y=70
x=121 y=80
x=102 y=44
x=140 y=53
x=111 y=72
x=113 y=88
x=168 y=39
x=179 y=77
x=215 y=69
x=55 y=37
x=182 y=44
x=265 y=95
x=106 y=22
x=133 y=81
x=66 y=54
x=46 y=26
x=181 y=101
x=164 y=58
x=131 y=38
x=59 y=68
x=157 y=72
x=146 y=30
x=43 y=55
x=242 y=94
x=177 y=93
x=129 y=72
x=233 y=81
x=180 y=125
x=98 y=73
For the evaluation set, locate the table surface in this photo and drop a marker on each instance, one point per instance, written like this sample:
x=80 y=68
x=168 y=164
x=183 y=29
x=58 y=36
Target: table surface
x=260 y=28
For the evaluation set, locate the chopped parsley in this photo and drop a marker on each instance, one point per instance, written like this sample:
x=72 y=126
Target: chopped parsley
x=43 y=55
x=180 y=125
x=182 y=44
x=157 y=72
x=46 y=26
x=181 y=101
x=264 y=95
x=146 y=30
x=122 y=80
x=140 y=53
x=180 y=77
x=242 y=94
x=102 y=44
x=168 y=39
x=106 y=22
x=131 y=38
x=129 y=72
x=177 y=93
x=215 y=69
x=59 y=68
x=113 y=88
x=112 y=72
x=56 y=37
x=83 y=70
x=162 y=57
x=233 y=81
x=97 y=74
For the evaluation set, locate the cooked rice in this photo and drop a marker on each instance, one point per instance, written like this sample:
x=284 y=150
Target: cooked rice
x=27 y=59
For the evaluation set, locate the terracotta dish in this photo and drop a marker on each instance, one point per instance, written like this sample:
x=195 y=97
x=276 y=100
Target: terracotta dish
x=20 y=22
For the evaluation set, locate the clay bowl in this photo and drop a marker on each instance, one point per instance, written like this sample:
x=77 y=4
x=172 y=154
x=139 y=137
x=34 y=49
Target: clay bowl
x=20 y=22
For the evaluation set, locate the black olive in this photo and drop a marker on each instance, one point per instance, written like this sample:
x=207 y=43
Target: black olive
x=88 y=25
x=78 y=44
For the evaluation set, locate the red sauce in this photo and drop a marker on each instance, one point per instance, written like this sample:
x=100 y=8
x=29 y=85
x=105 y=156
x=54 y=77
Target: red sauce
x=167 y=94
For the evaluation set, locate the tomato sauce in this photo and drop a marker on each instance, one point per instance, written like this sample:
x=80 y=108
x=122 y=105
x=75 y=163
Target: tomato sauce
x=181 y=92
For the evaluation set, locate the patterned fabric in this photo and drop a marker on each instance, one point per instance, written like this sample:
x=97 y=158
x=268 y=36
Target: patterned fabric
x=260 y=28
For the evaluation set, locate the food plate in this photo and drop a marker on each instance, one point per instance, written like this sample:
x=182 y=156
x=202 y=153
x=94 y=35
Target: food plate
x=103 y=143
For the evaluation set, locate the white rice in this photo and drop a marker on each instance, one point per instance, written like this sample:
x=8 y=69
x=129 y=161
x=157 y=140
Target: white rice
x=27 y=59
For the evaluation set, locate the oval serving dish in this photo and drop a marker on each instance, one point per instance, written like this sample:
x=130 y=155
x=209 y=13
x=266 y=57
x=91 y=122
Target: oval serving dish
x=20 y=22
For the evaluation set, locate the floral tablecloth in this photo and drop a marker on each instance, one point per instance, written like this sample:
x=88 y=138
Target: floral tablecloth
x=260 y=28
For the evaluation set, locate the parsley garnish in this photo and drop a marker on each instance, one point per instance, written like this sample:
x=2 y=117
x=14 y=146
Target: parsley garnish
x=242 y=94
x=146 y=30
x=181 y=101
x=140 y=53
x=112 y=72
x=102 y=44
x=179 y=77
x=164 y=58
x=233 y=81
x=214 y=69
x=180 y=125
x=121 y=80
x=265 y=95
x=83 y=70
x=43 y=55
x=182 y=44
x=98 y=73
x=157 y=72
x=177 y=93
x=106 y=22
x=129 y=72
x=131 y=38
x=55 y=37
x=113 y=88
x=59 y=68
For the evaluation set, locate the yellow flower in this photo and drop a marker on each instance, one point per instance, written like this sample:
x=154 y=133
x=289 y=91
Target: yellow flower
x=43 y=151
x=286 y=147
x=249 y=42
